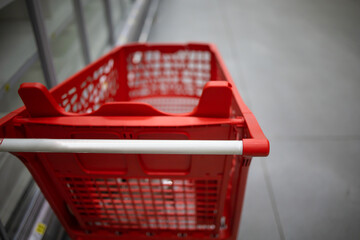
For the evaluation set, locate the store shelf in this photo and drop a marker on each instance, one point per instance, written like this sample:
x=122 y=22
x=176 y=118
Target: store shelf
x=96 y=28
x=3 y=3
x=27 y=213
x=10 y=99
x=17 y=47
x=14 y=178
x=17 y=44
x=67 y=53
x=58 y=16
x=23 y=205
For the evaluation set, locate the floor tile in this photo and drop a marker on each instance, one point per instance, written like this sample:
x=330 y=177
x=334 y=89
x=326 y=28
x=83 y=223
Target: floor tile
x=316 y=185
x=300 y=64
x=257 y=220
x=296 y=63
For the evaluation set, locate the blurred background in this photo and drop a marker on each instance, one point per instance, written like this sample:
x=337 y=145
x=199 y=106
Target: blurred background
x=296 y=64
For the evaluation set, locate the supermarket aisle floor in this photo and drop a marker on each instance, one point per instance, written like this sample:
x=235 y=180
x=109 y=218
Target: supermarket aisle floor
x=296 y=64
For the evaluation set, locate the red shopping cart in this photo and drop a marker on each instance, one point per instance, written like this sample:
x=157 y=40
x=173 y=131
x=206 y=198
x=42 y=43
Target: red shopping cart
x=152 y=141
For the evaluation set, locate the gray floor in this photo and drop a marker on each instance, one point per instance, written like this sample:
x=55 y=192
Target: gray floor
x=297 y=65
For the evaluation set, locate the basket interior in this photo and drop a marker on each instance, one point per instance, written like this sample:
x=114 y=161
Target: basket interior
x=170 y=82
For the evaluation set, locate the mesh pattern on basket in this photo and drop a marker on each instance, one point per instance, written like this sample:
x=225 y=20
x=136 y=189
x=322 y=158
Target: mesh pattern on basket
x=171 y=104
x=99 y=87
x=180 y=74
x=168 y=204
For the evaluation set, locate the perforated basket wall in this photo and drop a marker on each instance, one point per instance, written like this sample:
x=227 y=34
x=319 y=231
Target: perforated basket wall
x=98 y=87
x=171 y=81
x=132 y=203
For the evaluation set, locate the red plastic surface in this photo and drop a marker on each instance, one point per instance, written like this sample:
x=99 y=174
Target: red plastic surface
x=142 y=91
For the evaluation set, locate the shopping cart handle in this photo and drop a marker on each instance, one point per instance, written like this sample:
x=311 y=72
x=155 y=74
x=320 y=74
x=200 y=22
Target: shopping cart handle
x=205 y=147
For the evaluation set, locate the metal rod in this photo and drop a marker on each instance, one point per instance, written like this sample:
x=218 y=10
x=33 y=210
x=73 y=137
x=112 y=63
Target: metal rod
x=134 y=22
x=109 y=22
x=80 y=22
x=145 y=32
x=206 y=147
x=44 y=50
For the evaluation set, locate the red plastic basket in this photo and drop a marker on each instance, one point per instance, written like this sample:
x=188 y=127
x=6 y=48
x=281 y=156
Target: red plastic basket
x=141 y=91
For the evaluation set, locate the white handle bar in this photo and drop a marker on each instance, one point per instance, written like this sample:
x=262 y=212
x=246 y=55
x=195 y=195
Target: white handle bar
x=206 y=147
